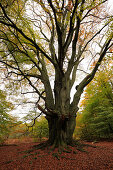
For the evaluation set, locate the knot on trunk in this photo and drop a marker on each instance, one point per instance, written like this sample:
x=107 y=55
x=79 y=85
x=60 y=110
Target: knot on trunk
x=62 y=117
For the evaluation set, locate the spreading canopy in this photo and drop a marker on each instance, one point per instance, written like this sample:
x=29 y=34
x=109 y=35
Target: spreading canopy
x=46 y=40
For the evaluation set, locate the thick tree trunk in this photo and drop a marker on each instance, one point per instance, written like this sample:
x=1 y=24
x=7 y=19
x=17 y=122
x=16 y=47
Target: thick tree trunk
x=61 y=130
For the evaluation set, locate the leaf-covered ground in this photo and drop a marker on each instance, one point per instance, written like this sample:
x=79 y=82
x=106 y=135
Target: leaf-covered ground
x=22 y=156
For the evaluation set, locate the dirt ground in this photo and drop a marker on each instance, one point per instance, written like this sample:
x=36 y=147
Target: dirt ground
x=20 y=155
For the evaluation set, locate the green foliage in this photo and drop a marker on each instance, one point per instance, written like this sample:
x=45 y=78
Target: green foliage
x=96 y=120
x=6 y=121
x=18 y=131
x=40 y=128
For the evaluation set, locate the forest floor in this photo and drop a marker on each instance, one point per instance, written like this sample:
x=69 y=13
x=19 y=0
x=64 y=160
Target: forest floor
x=20 y=155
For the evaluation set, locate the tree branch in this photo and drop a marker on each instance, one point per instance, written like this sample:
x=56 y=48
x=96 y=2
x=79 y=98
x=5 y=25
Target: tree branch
x=13 y=25
x=90 y=76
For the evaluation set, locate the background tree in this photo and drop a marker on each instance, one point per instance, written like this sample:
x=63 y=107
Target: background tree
x=40 y=129
x=6 y=121
x=43 y=45
x=96 y=120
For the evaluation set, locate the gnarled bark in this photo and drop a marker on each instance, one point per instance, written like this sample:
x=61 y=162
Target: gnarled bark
x=61 y=130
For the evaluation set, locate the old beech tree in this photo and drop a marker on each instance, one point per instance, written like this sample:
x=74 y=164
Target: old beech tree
x=40 y=39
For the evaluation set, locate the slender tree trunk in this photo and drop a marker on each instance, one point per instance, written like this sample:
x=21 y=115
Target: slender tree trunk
x=61 y=130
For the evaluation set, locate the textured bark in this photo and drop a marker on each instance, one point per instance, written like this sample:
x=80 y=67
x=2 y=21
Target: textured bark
x=61 y=130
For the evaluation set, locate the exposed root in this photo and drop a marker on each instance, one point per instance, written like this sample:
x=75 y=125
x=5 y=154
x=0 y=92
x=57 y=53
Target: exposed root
x=57 y=151
x=62 y=147
x=88 y=145
x=41 y=145
x=56 y=155
x=8 y=145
